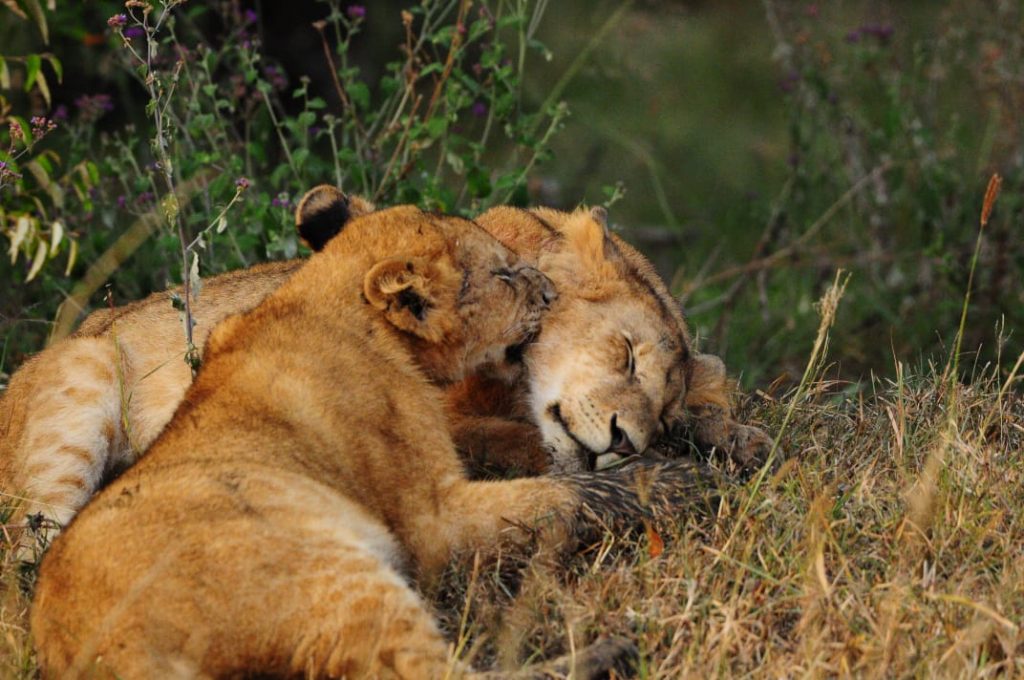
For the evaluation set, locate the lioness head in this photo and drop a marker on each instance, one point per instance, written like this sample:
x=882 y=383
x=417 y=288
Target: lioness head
x=608 y=371
x=462 y=299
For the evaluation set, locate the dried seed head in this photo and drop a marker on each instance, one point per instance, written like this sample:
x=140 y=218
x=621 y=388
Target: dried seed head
x=995 y=183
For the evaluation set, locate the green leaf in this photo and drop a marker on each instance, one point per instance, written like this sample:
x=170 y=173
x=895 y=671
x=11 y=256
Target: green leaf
x=436 y=126
x=42 y=175
x=57 y=67
x=39 y=17
x=360 y=94
x=44 y=88
x=433 y=67
x=388 y=86
x=21 y=229
x=37 y=262
x=456 y=163
x=94 y=172
x=33 y=65
x=195 y=282
x=56 y=236
x=5 y=75
x=72 y=256
x=479 y=183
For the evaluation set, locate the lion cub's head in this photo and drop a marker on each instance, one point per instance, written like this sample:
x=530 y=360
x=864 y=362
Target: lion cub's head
x=461 y=299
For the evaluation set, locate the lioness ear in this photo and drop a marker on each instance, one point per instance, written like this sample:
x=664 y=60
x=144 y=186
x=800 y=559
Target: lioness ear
x=407 y=291
x=323 y=213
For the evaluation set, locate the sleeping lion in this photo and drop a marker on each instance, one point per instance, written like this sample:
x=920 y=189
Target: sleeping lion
x=613 y=368
x=309 y=468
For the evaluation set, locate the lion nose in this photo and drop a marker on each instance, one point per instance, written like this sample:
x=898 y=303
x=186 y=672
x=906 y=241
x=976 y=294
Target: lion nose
x=541 y=284
x=621 y=443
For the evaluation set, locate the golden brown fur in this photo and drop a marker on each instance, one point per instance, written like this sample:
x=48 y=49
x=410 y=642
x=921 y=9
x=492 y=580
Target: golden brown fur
x=92 y=403
x=309 y=465
x=87 y=407
x=613 y=368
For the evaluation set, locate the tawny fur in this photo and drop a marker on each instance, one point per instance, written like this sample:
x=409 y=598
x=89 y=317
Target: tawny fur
x=92 y=403
x=307 y=468
x=583 y=383
x=88 y=406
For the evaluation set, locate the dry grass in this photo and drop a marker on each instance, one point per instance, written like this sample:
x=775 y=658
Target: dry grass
x=888 y=544
x=885 y=546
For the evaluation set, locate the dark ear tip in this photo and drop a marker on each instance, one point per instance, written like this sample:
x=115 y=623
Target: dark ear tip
x=321 y=214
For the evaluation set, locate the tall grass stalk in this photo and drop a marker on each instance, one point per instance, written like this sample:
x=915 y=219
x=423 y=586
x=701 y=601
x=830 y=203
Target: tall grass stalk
x=828 y=305
x=995 y=183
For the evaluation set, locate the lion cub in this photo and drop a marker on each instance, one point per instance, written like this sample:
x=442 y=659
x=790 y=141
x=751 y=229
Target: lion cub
x=309 y=467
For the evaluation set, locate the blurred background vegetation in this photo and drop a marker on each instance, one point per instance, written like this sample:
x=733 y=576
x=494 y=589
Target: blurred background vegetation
x=750 y=148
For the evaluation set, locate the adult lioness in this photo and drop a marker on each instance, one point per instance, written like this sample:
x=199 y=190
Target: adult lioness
x=308 y=466
x=614 y=366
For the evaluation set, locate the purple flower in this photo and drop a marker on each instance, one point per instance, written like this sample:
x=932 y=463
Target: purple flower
x=853 y=37
x=144 y=198
x=41 y=126
x=133 y=32
x=61 y=112
x=122 y=201
x=6 y=172
x=281 y=201
x=356 y=11
x=275 y=77
x=479 y=109
x=242 y=183
x=880 y=32
x=92 y=107
x=117 y=21
x=250 y=16
x=789 y=82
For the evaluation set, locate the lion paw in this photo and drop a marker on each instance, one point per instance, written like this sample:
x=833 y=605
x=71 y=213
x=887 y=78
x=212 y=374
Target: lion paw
x=749 y=447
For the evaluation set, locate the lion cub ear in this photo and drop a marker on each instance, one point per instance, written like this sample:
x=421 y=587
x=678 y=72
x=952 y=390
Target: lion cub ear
x=408 y=291
x=323 y=213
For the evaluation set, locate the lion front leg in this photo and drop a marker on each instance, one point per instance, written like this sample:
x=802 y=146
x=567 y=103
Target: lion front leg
x=556 y=513
x=712 y=425
x=492 y=446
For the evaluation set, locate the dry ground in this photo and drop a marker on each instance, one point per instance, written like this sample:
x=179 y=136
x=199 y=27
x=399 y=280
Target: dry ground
x=890 y=543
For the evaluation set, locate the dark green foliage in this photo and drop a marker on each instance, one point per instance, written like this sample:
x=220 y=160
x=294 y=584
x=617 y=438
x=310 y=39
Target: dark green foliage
x=203 y=113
